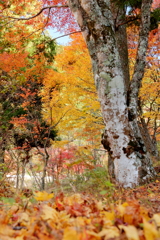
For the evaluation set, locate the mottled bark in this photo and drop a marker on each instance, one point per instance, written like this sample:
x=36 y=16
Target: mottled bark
x=149 y=143
x=140 y=58
x=122 y=138
x=121 y=40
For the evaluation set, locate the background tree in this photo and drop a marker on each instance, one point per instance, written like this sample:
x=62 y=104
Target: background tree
x=69 y=95
x=23 y=67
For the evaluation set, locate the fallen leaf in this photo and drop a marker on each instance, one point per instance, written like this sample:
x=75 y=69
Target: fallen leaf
x=156 y=218
x=23 y=219
x=121 y=208
x=43 y=196
x=6 y=229
x=49 y=213
x=131 y=232
x=111 y=232
x=75 y=198
x=150 y=231
x=70 y=234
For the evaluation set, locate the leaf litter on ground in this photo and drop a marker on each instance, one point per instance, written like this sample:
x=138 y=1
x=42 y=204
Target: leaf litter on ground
x=134 y=214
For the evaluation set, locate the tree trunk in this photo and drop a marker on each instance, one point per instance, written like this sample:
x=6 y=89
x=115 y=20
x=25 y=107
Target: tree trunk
x=43 y=179
x=150 y=143
x=2 y=148
x=122 y=138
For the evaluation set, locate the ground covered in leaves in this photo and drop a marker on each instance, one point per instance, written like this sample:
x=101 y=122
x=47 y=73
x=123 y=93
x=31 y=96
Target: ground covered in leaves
x=132 y=214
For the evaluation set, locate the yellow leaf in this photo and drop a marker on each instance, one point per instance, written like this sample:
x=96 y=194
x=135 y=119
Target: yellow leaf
x=108 y=218
x=43 y=196
x=150 y=231
x=6 y=230
x=156 y=218
x=109 y=215
x=111 y=232
x=49 y=213
x=122 y=207
x=131 y=232
x=70 y=234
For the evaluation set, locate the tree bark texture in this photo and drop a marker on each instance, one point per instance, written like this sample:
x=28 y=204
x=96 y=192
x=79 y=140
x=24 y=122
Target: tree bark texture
x=122 y=137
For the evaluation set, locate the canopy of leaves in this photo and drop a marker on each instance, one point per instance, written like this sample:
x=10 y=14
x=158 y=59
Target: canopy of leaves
x=69 y=94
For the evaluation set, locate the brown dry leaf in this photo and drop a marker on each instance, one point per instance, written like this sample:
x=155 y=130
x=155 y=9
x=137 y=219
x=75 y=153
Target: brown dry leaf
x=150 y=231
x=131 y=232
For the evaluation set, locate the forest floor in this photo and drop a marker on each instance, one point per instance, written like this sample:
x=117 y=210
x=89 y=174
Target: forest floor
x=132 y=214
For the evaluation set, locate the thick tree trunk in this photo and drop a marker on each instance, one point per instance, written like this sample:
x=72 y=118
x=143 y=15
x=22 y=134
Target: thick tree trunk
x=122 y=137
x=121 y=40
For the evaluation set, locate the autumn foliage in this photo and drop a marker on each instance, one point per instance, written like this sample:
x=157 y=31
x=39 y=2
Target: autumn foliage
x=45 y=216
x=49 y=105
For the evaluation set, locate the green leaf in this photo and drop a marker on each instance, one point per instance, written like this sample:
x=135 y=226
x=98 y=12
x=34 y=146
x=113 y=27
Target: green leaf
x=6 y=200
x=103 y=192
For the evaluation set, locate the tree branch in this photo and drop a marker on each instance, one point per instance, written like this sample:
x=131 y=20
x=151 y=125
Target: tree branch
x=141 y=56
x=128 y=21
x=67 y=34
x=49 y=7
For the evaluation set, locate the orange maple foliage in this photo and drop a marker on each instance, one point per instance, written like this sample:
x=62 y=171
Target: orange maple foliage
x=69 y=95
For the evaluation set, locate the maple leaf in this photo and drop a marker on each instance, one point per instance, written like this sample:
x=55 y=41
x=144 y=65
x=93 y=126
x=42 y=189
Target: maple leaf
x=49 y=213
x=70 y=233
x=43 y=196
x=131 y=232
x=150 y=231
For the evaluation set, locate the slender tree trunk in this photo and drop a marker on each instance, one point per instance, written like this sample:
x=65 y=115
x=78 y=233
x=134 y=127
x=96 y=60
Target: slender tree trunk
x=122 y=137
x=46 y=158
x=23 y=175
x=150 y=142
x=2 y=147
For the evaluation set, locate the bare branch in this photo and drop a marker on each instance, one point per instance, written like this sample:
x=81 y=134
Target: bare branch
x=128 y=21
x=35 y=30
x=49 y=7
x=67 y=34
x=47 y=18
